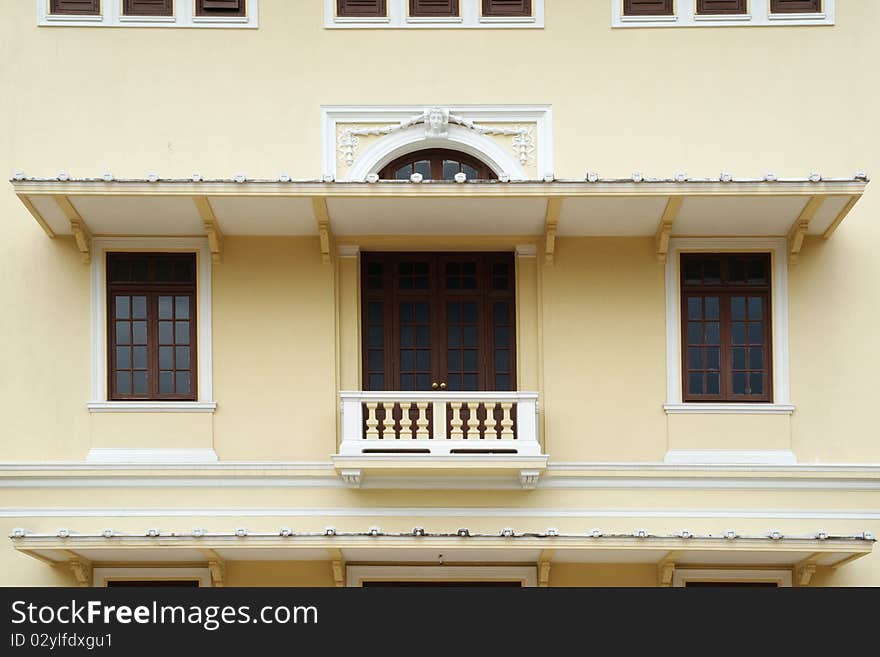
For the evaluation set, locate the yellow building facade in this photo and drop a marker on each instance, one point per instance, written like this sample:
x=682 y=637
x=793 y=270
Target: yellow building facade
x=556 y=293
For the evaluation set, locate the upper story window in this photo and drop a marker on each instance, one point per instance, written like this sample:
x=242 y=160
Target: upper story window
x=151 y=310
x=433 y=13
x=149 y=13
x=692 y=13
x=437 y=164
x=726 y=332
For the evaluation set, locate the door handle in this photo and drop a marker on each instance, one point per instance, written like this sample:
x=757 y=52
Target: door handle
x=435 y=385
x=443 y=386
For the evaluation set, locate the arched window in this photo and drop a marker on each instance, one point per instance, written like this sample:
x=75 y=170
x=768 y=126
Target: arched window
x=437 y=164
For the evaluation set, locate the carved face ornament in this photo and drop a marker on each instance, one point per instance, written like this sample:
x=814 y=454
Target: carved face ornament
x=436 y=122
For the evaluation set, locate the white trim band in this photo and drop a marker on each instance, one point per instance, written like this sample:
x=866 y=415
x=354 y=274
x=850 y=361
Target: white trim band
x=151 y=456
x=730 y=457
x=729 y=409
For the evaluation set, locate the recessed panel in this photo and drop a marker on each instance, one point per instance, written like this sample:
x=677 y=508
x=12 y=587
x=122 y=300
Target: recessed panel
x=139 y=215
x=52 y=214
x=247 y=215
x=827 y=214
x=611 y=216
x=738 y=215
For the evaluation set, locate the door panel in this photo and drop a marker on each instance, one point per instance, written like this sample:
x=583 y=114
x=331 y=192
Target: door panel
x=438 y=321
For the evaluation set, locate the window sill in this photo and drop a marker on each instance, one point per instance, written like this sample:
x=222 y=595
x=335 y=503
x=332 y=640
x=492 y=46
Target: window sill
x=722 y=18
x=428 y=20
x=729 y=409
x=151 y=407
x=147 y=19
x=791 y=18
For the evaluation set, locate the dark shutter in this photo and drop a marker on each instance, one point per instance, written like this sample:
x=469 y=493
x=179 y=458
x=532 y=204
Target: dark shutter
x=710 y=7
x=507 y=7
x=75 y=7
x=795 y=6
x=647 y=7
x=148 y=7
x=433 y=7
x=361 y=8
x=221 y=7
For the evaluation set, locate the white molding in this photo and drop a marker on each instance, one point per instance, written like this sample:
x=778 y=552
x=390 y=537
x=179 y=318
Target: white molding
x=728 y=409
x=370 y=513
x=204 y=316
x=686 y=16
x=683 y=575
x=470 y=17
x=105 y=455
x=102 y=575
x=779 y=295
x=730 y=456
x=415 y=138
x=184 y=16
x=357 y=575
x=348 y=250
x=526 y=250
x=151 y=407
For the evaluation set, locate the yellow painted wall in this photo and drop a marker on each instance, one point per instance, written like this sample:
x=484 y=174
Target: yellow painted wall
x=788 y=100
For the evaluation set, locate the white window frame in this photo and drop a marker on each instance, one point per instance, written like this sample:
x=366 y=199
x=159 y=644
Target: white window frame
x=357 y=575
x=398 y=17
x=685 y=15
x=781 y=404
x=100 y=395
x=184 y=16
x=100 y=576
x=682 y=576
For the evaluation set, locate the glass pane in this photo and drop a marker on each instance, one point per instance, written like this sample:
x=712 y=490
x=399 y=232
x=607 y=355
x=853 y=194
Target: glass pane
x=502 y=360
x=469 y=382
x=407 y=382
x=453 y=313
x=695 y=358
x=406 y=312
x=375 y=337
x=469 y=313
x=713 y=383
x=181 y=307
x=453 y=382
x=739 y=383
x=182 y=332
x=695 y=333
x=739 y=333
x=756 y=359
x=469 y=336
x=139 y=332
x=756 y=383
x=454 y=336
x=139 y=271
x=692 y=272
x=422 y=313
x=407 y=360
x=407 y=336
x=423 y=336
x=166 y=383
x=423 y=382
x=737 y=271
x=423 y=359
x=469 y=171
x=695 y=308
x=756 y=306
x=165 y=307
x=123 y=383
x=164 y=271
x=122 y=333
x=712 y=272
x=713 y=358
x=376 y=360
x=139 y=307
x=182 y=358
x=403 y=173
x=453 y=360
x=502 y=382
x=423 y=167
x=140 y=358
x=470 y=360
x=712 y=308
x=450 y=168
x=123 y=307
x=502 y=336
x=738 y=308
x=377 y=381
x=183 y=383
x=757 y=273
x=123 y=358
x=183 y=271
x=502 y=313
x=695 y=383
x=166 y=358
x=139 y=385
x=713 y=333
x=166 y=333
x=739 y=359
x=374 y=312
x=756 y=333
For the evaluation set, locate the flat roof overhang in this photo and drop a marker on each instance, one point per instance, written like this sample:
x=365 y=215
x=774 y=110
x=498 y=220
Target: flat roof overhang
x=802 y=553
x=659 y=208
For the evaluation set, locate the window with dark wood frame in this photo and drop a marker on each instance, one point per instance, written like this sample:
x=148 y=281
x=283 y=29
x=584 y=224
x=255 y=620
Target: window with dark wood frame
x=648 y=7
x=75 y=7
x=438 y=321
x=151 y=326
x=795 y=6
x=726 y=328
x=221 y=7
x=507 y=8
x=429 y=8
x=437 y=164
x=361 y=8
x=148 y=7
x=722 y=7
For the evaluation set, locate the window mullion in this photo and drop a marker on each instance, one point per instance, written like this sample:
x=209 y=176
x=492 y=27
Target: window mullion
x=725 y=363
x=152 y=341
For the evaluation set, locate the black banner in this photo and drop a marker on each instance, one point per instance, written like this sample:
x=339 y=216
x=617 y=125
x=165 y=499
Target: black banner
x=412 y=620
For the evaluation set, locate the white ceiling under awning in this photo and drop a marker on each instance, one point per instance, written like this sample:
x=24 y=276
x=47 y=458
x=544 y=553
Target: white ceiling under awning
x=615 y=208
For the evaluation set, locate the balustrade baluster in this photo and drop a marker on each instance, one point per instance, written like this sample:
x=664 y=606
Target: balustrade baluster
x=506 y=421
x=456 y=422
x=473 y=421
x=372 y=421
x=422 y=421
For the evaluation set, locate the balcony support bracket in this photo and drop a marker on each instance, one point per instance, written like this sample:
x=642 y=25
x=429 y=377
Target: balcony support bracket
x=666 y=569
x=81 y=233
x=799 y=229
x=325 y=235
x=551 y=225
x=212 y=227
x=664 y=229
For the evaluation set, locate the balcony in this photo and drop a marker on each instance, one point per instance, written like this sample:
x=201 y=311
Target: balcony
x=444 y=434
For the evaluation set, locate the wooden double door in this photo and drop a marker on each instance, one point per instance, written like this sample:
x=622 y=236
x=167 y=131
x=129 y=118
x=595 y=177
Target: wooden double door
x=438 y=321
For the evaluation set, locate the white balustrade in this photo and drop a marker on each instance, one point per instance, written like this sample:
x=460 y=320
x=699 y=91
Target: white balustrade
x=440 y=423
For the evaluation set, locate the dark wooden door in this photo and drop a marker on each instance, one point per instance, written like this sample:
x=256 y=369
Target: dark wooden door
x=438 y=321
